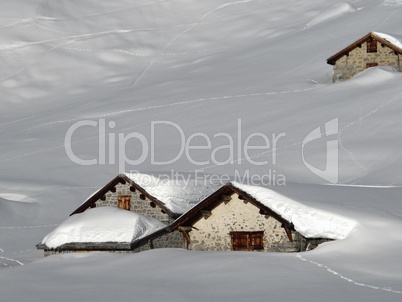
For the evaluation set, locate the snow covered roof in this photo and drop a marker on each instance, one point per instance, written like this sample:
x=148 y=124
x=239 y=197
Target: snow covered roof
x=310 y=222
x=102 y=225
x=395 y=40
x=174 y=194
x=392 y=41
x=178 y=194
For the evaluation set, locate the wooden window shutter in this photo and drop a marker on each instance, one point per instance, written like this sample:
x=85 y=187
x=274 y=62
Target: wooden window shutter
x=371 y=45
x=247 y=241
x=239 y=241
x=123 y=202
x=257 y=241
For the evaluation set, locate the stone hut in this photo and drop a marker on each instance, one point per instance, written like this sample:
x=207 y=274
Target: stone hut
x=232 y=219
x=374 y=49
x=153 y=197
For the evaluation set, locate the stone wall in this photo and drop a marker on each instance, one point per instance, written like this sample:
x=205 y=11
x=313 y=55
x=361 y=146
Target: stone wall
x=213 y=233
x=137 y=205
x=143 y=207
x=170 y=240
x=348 y=66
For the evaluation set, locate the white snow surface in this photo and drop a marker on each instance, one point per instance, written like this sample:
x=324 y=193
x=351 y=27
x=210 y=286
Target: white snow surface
x=335 y=11
x=104 y=224
x=212 y=67
x=177 y=194
x=310 y=222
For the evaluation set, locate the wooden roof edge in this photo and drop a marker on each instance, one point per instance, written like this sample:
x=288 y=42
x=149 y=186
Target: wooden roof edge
x=113 y=183
x=195 y=212
x=386 y=42
x=158 y=202
x=102 y=191
x=190 y=214
x=263 y=207
x=331 y=60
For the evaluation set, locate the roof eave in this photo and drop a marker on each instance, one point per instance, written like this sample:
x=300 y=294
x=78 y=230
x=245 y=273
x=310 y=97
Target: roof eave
x=332 y=60
x=194 y=214
x=122 y=178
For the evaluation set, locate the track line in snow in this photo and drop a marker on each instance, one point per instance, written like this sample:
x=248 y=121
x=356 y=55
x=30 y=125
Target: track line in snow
x=335 y=273
x=12 y=260
x=226 y=97
x=279 y=151
x=126 y=52
x=61 y=188
x=80 y=37
x=102 y=14
x=148 y=66
x=9 y=259
x=359 y=121
x=28 y=227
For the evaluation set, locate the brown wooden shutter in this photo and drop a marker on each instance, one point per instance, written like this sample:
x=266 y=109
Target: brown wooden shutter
x=239 y=241
x=247 y=241
x=257 y=241
x=371 y=45
x=123 y=202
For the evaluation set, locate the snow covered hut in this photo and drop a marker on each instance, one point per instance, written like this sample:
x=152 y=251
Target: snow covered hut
x=374 y=49
x=251 y=218
x=130 y=213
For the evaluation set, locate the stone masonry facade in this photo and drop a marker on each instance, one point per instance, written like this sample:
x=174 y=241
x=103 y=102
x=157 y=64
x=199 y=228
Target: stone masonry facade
x=236 y=215
x=146 y=208
x=349 y=65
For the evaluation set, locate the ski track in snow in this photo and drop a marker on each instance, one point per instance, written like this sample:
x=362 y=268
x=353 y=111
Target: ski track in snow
x=227 y=97
x=359 y=121
x=81 y=37
x=392 y=3
x=93 y=15
x=335 y=273
x=28 y=226
x=151 y=62
x=126 y=52
x=9 y=262
x=349 y=153
x=5 y=260
x=61 y=188
x=215 y=98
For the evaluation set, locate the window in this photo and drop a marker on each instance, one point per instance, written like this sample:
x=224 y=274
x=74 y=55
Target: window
x=371 y=45
x=247 y=241
x=123 y=202
x=368 y=65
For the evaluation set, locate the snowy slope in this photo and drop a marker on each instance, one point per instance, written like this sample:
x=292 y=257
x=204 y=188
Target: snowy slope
x=213 y=66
